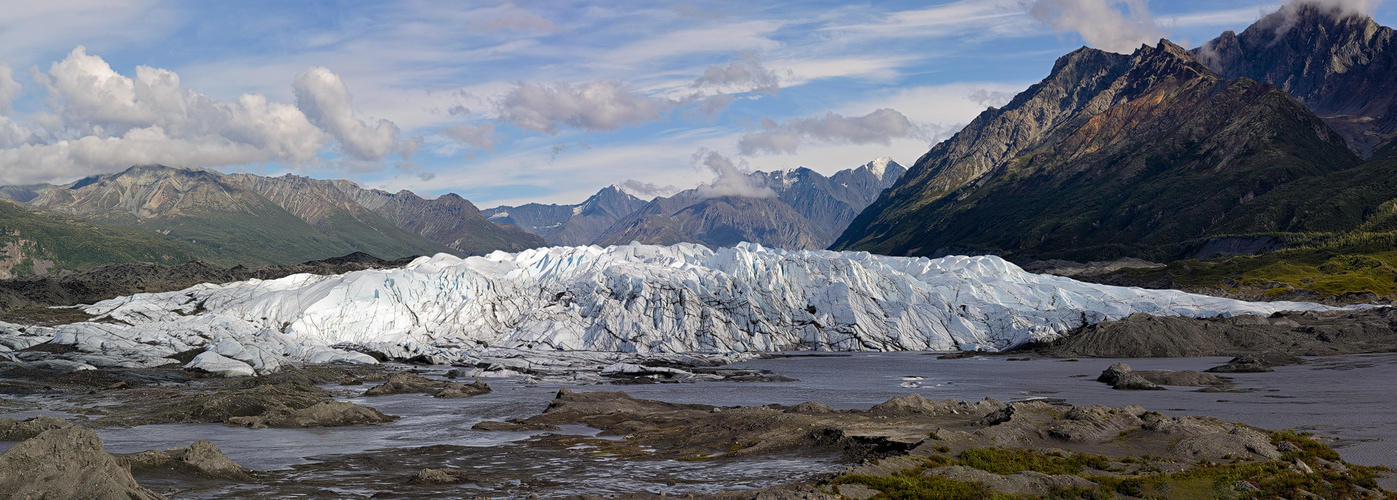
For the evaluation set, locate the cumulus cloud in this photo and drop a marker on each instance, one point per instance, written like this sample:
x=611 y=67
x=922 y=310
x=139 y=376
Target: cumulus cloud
x=98 y=121
x=730 y=179
x=509 y=17
x=596 y=106
x=325 y=100
x=477 y=136
x=1101 y=23
x=745 y=75
x=878 y=127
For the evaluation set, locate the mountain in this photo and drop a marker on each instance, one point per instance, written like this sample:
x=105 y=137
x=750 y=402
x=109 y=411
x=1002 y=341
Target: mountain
x=229 y=223
x=570 y=225
x=1147 y=155
x=245 y=219
x=805 y=213
x=1341 y=66
x=449 y=219
x=35 y=241
x=720 y=222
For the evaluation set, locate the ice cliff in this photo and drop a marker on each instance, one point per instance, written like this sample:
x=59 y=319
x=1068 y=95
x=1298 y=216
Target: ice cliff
x=633 y=298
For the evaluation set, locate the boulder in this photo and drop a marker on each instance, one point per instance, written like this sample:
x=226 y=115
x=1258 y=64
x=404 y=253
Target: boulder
x=327 y=414
x=1121 y=376
x=459 y=390
x=404 y=383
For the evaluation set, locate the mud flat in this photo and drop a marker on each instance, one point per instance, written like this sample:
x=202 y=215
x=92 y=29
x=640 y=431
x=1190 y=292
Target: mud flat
x=716 y=439
x=907 y=446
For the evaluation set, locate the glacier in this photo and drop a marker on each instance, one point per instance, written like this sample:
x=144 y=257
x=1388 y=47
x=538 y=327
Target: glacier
x=617 y=301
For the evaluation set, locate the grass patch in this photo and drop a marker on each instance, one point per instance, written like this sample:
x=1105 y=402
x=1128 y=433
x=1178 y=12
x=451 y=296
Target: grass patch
x=1009 y=461
x=1242 y=480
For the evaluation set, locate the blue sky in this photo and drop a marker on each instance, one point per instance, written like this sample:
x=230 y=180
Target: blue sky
x=549 y=101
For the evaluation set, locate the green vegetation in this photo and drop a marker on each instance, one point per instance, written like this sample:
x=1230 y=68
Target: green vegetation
x=1323 y=264
x=1238 y=479
x=1002 y=461
x=73 y=243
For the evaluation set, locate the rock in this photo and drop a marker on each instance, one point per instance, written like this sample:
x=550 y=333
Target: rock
x=459 y=390
x=202 y=458
x=857 y=491
x=1121 y=376
x=812 y=408
x=910 y=404
x=328 y=414
x=1256 y=363
x=1018 y=483
x=20 y=430
x=438 y=476
x=404 y=383
x=217 y=364
x=491 y=425
x=1085 y=424
x=207 y=458
x=69 y=462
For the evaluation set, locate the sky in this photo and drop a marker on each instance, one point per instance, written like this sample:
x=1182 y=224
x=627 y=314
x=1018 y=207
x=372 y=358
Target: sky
x=536 y=101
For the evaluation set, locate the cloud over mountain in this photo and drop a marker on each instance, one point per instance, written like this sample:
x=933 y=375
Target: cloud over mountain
x=1101 y=23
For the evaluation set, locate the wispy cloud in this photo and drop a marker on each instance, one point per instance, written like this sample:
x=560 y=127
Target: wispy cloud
x=878 y=127
x=594 y=106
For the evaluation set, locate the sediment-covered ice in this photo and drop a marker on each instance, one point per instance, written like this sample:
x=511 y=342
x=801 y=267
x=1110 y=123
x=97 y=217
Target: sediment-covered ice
x=629 y=299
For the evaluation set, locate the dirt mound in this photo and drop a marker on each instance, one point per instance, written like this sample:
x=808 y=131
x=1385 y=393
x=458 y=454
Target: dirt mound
x=1290 y=333
x=201 y=459
x=276 y=400
x=69 y=462
x=326 y=414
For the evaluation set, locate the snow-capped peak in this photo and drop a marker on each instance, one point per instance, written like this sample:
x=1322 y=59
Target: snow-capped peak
x=879 y=165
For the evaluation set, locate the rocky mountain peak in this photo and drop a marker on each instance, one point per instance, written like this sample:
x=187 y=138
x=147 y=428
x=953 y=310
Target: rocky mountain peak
x=1335 y=61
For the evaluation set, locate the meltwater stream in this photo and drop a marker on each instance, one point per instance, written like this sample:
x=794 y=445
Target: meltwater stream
x=1350 y=398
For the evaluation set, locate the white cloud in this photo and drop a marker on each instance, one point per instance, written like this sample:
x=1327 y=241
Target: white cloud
x=803 y=71
x=595 y=106
x=1101 y=23
x=477 y=136
x=878 y=127
x=97 y=120
x=9 y=88
x=941 y=20
x=723 y=38
x=325 y=100
x=1227 y=18
x=730 y=179
x=1288 y=15
x=744 y=75
x=646 y=190
x=509 y=17
x=100 y=121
